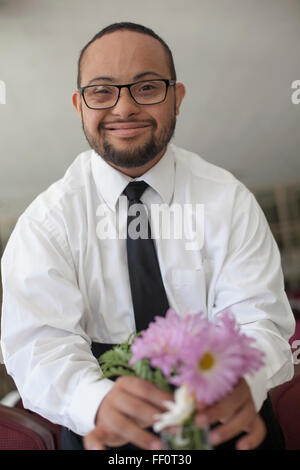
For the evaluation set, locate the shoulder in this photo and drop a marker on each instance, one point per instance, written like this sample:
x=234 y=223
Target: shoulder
x=52 y=217
x=69 y=190
x=209 y=182
x=201 y=168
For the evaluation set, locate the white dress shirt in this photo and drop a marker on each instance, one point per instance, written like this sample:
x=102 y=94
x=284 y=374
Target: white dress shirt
x=65 y=285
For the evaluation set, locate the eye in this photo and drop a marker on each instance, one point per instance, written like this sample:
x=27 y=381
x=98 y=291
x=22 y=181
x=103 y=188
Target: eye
x=147 y=87
x=102 y=90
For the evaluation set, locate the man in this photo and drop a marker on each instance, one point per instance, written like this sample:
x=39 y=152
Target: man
x=68 y=288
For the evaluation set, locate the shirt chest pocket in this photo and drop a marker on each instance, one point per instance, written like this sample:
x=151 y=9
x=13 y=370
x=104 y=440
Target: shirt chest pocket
x=189 y=290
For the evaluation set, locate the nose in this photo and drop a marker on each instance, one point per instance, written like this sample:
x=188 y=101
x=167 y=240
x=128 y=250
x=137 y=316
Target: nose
x=126 y=106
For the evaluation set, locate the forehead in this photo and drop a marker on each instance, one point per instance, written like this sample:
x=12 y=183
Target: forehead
x=122 y=55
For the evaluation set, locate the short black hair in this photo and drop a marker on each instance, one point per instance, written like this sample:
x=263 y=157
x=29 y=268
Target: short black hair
x=127 y=26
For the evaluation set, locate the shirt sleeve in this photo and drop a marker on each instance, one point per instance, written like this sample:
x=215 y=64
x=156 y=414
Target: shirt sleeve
x=251 y=285
x=44 y=345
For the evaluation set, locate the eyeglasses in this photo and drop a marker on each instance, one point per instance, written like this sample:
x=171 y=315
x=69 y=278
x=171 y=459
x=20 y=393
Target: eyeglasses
x=145 y=92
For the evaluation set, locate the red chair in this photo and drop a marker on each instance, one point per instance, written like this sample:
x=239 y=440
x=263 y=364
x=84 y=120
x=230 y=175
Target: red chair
x=22 y=430
x=55 y=429
x=286 y=406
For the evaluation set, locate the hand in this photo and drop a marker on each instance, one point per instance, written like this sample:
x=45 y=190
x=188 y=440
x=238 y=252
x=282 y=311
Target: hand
x=237 y=413
x=125 y=412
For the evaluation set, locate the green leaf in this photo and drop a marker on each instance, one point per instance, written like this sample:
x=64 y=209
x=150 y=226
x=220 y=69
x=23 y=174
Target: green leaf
x=116 y=371
x=119 y=354
x=160 y=380
x=115 y=362
x=143 y=369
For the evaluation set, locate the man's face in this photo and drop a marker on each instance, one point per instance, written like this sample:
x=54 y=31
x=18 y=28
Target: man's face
x=119 y=58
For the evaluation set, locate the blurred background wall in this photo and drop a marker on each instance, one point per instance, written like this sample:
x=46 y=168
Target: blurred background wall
x=237 y=58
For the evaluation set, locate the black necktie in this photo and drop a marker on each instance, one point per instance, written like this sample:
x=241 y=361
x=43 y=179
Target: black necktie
x=148 y=293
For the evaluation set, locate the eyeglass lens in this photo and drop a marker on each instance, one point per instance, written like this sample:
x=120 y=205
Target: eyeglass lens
x=105 y=96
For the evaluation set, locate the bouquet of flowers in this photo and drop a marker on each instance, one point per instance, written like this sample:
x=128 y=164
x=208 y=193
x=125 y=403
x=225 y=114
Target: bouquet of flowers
x=198 y=360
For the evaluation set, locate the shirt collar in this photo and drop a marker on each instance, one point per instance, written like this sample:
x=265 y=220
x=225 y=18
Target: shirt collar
x=111 y=182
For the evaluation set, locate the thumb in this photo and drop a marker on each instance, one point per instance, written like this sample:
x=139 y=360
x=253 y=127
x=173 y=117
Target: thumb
x=95 y=439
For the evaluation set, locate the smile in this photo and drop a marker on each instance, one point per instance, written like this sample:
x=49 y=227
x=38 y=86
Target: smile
x=127 y=130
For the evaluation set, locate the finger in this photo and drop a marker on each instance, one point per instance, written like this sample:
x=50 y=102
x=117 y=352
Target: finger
x=145 y=390
x=234 y=400
x=121 y=427
x=94 y=440
x=255 y=437
x=199 y=406
x=141 y=411
x=226 y=407
x=99 y=437
x=241 y=421
x=173 y=430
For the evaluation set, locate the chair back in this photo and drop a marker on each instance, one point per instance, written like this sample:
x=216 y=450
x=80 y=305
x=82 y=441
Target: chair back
x=20 y=430
x=286 y=406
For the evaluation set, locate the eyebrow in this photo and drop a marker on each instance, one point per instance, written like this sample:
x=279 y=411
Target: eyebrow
x=114 y=80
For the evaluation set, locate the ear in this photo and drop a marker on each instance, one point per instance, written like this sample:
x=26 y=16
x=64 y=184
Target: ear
x=76 y=101
x=180 y=94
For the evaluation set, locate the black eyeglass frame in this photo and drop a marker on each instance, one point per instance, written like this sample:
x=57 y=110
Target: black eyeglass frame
x=128 y=86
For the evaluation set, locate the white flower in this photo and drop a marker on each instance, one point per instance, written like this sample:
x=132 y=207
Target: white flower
x=180 y=410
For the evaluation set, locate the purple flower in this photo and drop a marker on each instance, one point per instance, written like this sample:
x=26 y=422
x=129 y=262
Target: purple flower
x=164 y=340
x=213 y=362
x=206 y=357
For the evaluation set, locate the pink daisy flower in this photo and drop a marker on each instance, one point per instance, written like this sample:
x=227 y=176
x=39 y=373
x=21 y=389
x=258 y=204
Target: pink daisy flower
x=213 y=361
x=164 y=339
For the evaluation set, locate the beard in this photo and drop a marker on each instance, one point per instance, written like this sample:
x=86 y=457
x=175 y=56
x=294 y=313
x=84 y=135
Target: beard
x=134 y=155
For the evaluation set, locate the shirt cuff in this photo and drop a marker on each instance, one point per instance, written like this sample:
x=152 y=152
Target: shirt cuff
x=1 y=356
x=258 y=387
x=85 y=403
